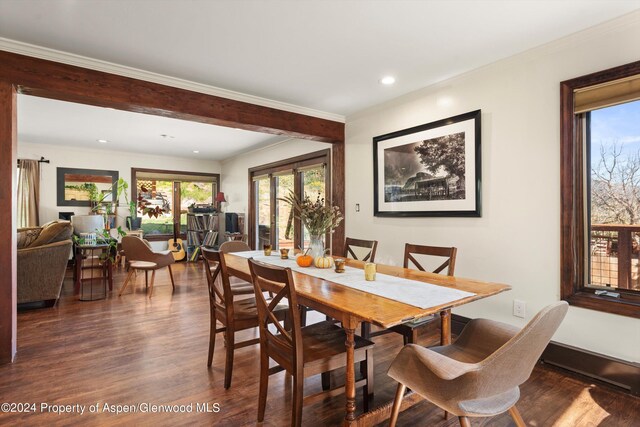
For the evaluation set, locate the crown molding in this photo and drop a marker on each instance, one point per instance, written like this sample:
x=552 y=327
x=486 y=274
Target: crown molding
x=122 y=70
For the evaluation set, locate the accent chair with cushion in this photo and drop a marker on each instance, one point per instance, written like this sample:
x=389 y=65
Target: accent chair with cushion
x=137 y=249
x=43 y=254
x=480 y=373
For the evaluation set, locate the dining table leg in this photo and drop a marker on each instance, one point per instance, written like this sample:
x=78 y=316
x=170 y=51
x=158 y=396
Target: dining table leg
x=350 y=380
x=445 y=327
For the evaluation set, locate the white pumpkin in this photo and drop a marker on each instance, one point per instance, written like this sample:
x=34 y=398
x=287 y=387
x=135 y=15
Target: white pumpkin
x=324 y=262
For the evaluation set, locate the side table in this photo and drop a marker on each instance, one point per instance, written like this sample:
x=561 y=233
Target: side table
x=93 y=271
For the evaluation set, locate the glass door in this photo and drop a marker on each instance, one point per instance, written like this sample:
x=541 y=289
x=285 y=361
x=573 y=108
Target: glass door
x=272 y=221
x=262 y=187
x=313 y=185
x=284 y=220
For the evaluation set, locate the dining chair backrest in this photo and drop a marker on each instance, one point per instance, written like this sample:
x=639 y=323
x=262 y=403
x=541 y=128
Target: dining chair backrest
x=350 y=244
x=287 y=343
x=450 y=253
x=234 y=246
x=220 y=295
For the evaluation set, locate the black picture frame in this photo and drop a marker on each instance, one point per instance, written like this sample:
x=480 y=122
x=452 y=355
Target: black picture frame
x=437 y=188
x=60 y=184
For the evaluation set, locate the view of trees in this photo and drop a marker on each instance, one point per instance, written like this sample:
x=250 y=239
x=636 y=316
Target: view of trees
x=445 y=152
x=615 y=186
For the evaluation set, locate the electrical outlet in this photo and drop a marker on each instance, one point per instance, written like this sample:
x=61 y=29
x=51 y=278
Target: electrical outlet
x=357 y=207
x=519 y=308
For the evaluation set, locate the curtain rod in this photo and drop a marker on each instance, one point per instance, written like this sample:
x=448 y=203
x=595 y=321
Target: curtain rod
x=42 y=160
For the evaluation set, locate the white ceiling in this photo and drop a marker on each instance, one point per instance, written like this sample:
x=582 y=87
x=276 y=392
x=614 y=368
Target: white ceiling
x=47 y=121
x=323 y=55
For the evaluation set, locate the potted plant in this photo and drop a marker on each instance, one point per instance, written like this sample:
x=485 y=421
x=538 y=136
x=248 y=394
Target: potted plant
x=147 y=208
x=318 y=217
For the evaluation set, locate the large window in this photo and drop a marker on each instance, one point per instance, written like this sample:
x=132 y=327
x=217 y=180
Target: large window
x=272 y=221
x=173 y=192
x=600 y=174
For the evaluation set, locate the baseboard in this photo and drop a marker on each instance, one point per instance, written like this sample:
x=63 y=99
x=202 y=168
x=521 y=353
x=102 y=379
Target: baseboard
x=617 y=372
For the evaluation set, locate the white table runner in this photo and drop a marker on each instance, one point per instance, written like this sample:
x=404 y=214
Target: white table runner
x=412 y=292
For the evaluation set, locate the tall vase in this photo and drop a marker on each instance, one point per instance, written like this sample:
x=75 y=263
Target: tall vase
x=317 y=247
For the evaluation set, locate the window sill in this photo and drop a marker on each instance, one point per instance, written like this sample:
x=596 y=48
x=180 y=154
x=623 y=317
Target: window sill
x=624 y=306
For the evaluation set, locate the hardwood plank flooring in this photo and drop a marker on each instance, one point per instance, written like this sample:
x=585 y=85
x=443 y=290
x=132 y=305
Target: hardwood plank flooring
x=130 y=350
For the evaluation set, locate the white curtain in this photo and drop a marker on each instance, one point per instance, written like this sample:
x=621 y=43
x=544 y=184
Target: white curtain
x=28 y=193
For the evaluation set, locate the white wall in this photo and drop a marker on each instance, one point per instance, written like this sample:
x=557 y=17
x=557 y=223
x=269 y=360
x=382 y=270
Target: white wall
x=235 y=171
x=73 y=157
x=517 y=240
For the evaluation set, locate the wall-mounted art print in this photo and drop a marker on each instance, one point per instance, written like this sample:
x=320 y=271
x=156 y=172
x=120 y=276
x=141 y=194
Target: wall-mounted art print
x=429 y=170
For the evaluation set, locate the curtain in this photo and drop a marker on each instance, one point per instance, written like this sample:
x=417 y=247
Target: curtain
x=28 y=193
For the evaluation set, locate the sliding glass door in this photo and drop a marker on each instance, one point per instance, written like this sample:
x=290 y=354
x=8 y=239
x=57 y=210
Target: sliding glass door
x=173 y=193
x=272 y=220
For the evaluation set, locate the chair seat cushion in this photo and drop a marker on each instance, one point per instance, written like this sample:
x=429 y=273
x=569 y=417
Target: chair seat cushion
x=246 y=308
x=492 y=405
x=324 y=340
x=240 y=287
x=416 y=323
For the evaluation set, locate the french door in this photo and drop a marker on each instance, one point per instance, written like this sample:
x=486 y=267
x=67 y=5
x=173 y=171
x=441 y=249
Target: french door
x=272 y=221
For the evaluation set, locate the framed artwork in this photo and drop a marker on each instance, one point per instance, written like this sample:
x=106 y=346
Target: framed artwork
x=429 y=170
x=75 y=186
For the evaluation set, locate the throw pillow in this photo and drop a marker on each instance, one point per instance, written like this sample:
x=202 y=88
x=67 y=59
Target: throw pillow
x=26 y=236
x=53 y=232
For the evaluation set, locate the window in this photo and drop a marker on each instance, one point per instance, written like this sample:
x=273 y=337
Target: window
x=272 y=221
x=173 y=192
x=600 y=174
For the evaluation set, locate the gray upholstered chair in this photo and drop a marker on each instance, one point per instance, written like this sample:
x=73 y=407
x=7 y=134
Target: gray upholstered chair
x=480 y=373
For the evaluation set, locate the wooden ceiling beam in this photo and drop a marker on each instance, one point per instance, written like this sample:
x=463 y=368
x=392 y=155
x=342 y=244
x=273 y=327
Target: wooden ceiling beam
x=48 y=79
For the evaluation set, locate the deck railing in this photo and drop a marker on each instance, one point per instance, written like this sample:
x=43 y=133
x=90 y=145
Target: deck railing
x=615 y=255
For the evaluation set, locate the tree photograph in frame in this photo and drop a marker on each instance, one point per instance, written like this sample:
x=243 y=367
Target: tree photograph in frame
x=429 y=170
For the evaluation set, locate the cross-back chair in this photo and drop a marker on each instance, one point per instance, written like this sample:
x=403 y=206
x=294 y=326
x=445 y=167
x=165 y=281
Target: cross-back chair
x=238 y=286
x=351 y=243
x=234 y=314
x=409 y=330
x=301 y=351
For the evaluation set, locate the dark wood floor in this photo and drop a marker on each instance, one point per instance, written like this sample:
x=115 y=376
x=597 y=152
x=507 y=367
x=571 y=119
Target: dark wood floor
x=129 y=350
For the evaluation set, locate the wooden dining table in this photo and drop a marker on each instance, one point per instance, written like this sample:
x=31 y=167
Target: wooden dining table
x=352 y=307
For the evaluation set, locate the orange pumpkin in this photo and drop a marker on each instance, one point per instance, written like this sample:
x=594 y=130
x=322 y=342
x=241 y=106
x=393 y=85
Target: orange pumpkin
x=304 y=260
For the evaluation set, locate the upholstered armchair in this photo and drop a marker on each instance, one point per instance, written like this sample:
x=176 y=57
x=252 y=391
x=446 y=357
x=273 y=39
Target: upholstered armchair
x=137 y=249
x=43 y=254
x=480 y=373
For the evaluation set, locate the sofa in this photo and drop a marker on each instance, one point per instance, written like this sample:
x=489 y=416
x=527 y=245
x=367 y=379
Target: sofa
x=43 y=254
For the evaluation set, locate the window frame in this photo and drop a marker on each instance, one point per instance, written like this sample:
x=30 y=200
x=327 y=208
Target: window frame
x=294 y=163
x=176 y=200
x=573 y=197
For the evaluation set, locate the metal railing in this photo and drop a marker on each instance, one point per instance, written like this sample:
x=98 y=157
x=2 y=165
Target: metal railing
x=615 y=255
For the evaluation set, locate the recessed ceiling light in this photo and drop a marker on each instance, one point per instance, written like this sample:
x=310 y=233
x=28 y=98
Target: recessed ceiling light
x=388 y=80
x=196 y=151
x=102 y=141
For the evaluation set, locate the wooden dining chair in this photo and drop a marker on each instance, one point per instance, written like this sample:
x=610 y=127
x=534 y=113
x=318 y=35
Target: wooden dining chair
x=238 y=286
x=301 y=351
x=409 y=330
x=234 y=314
x=350 y=244
x=480 y=373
